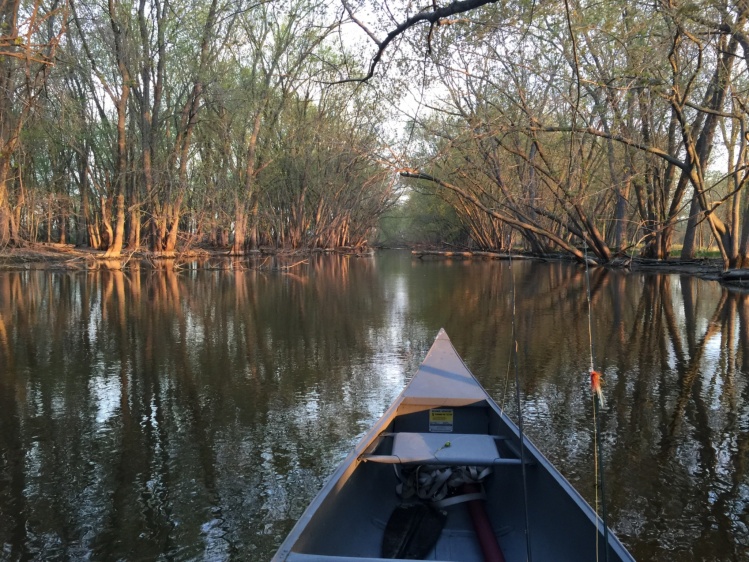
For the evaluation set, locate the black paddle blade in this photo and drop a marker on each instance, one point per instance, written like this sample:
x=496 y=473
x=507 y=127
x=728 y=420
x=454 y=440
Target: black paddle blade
x=412 y=531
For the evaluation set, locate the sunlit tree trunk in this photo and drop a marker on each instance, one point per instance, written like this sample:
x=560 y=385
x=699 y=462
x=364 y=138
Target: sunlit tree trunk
x=240 y=227
x=106 y=230
x=5 y=211
x=115 y=248
x=246 y=204
x=120 y=179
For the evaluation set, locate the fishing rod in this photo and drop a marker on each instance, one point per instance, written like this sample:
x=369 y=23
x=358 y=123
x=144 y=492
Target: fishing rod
x=598 y=404
x=520 y=416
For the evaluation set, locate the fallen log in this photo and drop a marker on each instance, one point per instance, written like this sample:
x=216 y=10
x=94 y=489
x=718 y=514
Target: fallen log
x=449 y=254
x=442 y=254
x=735 y=275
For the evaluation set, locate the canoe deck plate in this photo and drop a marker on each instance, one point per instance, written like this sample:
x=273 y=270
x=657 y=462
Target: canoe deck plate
x=447 y=448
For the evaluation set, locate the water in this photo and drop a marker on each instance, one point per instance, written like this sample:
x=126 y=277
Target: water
x=192 y=414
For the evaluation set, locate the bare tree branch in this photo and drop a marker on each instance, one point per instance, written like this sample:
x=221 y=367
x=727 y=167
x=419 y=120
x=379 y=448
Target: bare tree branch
x=595 y=132
x=432 y=17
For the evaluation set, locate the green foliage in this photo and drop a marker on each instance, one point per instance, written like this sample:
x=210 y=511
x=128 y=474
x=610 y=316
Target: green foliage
x=422 y=218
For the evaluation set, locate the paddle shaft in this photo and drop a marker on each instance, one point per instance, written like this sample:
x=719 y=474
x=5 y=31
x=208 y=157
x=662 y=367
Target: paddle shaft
x=482 y=526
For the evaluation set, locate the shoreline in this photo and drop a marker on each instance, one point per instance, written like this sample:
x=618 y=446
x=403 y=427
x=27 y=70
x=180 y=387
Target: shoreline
x=67 y=257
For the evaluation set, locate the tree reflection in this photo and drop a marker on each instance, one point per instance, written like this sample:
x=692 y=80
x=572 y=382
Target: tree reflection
x=193 y=413
x=671 y=349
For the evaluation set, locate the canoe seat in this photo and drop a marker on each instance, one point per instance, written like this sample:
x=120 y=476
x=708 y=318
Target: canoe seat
x=443 y=449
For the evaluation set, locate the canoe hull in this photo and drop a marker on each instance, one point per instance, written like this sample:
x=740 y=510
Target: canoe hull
x=442 y=416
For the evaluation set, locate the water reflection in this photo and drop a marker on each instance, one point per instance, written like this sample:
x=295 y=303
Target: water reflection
x=193 y=413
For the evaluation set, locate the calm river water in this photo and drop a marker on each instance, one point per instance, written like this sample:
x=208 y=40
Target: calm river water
x=192 y=414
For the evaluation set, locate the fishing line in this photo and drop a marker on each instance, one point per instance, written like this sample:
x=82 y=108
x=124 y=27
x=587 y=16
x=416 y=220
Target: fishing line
x=590 y=314
x=520 y=416
x=598 y=471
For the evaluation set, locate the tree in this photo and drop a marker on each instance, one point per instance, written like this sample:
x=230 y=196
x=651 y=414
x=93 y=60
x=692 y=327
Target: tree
x=30 y=34
x=592 y=81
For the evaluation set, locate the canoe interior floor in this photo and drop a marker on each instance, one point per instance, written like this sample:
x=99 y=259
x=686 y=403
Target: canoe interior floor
x=458 y=541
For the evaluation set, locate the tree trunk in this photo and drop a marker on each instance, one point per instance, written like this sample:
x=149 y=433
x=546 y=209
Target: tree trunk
x=115 y=249
x=63 y=228
x=94 y=238
x=742 y=258
x=133 y=239
x=253 y=225
x=107 y=233
x=698 y=153
x=49 y=220
x=620 y=213
x=240 y=225
x=5 y=212
x=689 y=250
x=171 y=240
x=84 y=221
x=120 y=183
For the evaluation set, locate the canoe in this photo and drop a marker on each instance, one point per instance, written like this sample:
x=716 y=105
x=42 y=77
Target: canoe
x=442 y=476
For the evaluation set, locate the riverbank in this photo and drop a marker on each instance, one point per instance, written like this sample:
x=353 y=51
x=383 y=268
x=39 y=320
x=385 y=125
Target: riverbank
x=705 y=268
x=69 y=257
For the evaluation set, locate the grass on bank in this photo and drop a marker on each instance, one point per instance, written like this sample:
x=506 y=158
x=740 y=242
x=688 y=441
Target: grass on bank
x=700 y=253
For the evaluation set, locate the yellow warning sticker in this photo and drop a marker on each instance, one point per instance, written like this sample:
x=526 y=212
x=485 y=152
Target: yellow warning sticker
x=441 y=420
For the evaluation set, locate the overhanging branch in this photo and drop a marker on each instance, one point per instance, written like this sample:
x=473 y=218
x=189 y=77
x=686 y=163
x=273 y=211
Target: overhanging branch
x=431 y=17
